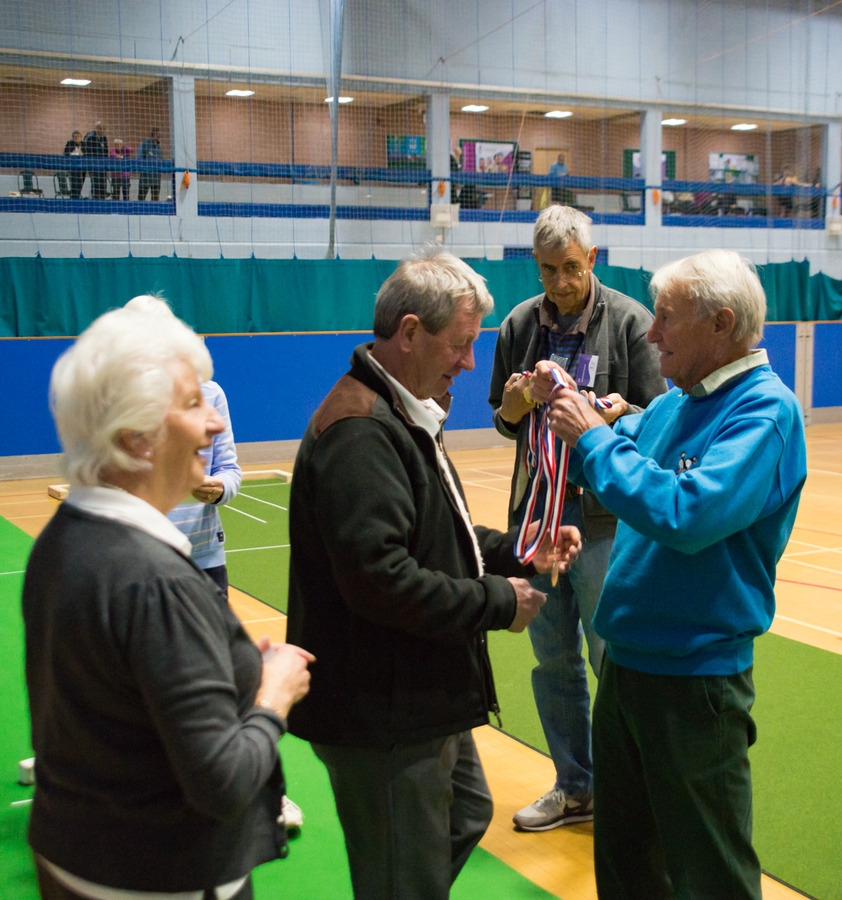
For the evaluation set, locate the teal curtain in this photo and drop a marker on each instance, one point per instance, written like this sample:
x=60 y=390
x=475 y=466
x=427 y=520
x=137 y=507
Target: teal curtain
x=827 y=298
x=787 y=287
x=61 y=297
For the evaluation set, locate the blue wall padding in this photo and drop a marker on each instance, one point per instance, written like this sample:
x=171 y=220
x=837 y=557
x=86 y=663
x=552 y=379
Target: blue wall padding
x=274 y=382
x=827 y=365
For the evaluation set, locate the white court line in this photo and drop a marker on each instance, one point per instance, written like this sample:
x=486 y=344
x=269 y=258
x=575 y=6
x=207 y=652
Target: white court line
x=798 y=562
x=257 y=621
x=248 y=515
x=802 y=543
x=246 y=549
x=274 y=484
x=21 y=572
x=808 y=625
x=43 y=515
x=823 y=472
x=486 y=487
x=20 y=802
x=258 y=500
x=488 y=480
x=478 y=472
x=812 y=552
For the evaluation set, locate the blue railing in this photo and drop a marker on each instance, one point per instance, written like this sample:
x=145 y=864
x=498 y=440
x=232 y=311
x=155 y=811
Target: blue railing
x=59 y=162
x=691 y=203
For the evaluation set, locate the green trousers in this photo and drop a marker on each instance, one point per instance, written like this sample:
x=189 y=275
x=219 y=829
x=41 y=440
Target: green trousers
x=672 y=786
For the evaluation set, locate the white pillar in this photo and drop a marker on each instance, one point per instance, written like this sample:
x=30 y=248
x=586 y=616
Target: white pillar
x=438 y=145
x=832 y=165
x=183 y=137
x=650 y=163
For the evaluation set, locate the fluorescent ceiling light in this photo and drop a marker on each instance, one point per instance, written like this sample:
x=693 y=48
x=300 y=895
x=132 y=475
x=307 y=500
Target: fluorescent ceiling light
x=473 y=107
x=76 y=82
x=674 y=122
x=341 y=99
x=743 y=126
x=236 y=93
x=558 y=114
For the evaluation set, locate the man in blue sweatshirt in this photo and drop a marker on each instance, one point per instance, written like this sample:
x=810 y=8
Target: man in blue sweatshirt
x=705 y=483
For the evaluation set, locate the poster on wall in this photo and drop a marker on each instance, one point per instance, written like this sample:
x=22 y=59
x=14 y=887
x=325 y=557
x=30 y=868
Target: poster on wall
x=488 y=156
x=631 y=163
x=734 y=168
x=406 y=151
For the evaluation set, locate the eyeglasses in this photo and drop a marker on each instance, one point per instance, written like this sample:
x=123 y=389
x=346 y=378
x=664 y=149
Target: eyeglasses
x=569 y=273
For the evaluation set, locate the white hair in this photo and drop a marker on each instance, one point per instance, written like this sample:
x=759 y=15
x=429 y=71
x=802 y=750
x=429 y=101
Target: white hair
x=153 y=304
x=118 y=376
x=714 y=280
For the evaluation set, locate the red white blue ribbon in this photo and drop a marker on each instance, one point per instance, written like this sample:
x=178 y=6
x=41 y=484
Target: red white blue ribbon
x=544 y=465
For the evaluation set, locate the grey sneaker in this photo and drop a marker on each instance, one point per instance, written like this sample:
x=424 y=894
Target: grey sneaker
x=555 y=808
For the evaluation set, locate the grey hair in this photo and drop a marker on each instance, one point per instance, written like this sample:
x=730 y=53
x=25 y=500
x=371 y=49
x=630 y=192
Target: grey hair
x=558 y=225
x=716 y=279
x=431 y=285
x=118 y=376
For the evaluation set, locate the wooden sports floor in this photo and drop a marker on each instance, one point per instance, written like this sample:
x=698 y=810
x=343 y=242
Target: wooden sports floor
x=809 y=609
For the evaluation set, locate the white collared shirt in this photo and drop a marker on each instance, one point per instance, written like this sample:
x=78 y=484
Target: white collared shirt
x=120 y=506
x=729 y=372
x=427 y=414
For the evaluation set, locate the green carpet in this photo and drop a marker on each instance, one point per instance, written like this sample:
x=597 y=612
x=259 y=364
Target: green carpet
x=257 y=528
x=17 y=879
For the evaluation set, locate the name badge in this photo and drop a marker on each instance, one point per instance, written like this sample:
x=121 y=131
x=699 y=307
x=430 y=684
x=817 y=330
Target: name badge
x=586 y=369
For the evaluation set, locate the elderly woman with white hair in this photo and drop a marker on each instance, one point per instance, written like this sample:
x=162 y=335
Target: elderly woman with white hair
x=155 y=718
x=198 y=518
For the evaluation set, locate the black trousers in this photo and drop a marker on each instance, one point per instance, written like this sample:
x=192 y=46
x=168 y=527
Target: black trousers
x=672 y=786
x=149 y=183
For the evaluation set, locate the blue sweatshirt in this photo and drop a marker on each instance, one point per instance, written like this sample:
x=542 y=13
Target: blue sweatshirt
x=706 y=489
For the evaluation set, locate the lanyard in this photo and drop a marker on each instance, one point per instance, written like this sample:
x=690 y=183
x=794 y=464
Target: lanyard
x=544 y=465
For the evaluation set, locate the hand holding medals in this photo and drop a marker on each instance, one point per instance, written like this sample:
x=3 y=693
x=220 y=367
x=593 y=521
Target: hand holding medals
x=538 y=542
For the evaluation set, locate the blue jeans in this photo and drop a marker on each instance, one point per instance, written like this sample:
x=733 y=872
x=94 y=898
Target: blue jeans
x=559 y=681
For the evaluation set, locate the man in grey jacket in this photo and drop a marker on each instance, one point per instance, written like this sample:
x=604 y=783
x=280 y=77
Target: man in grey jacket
x=599 y=336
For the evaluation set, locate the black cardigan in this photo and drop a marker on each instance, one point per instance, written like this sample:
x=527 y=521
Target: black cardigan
x=154 y=771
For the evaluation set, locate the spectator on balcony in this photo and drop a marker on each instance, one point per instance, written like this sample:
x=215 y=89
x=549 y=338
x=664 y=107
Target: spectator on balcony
x=786 y=205
x=95 y=144
x=150 y=182
x=76 y=177
x=557 y=171
x=120 y=180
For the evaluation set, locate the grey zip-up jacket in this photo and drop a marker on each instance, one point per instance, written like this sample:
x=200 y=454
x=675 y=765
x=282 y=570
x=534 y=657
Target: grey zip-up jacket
x=627 y=365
